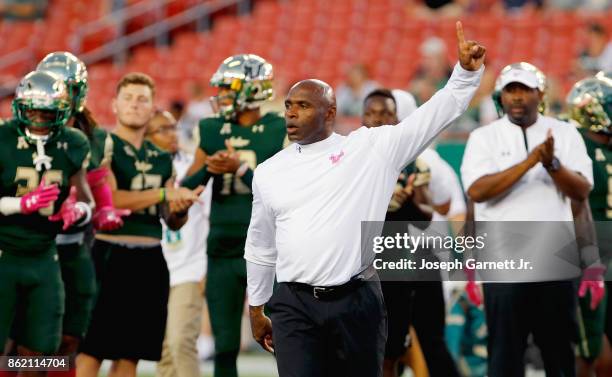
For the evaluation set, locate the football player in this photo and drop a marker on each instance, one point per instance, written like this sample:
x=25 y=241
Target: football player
x=129 y=316
x=73 y=243
x=231 y=146
x=590 y=108
x=41 y=160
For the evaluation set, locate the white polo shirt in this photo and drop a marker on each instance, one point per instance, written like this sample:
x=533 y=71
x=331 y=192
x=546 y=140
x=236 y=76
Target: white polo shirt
x=309 y=200
x=533 y=220
x=502 y=144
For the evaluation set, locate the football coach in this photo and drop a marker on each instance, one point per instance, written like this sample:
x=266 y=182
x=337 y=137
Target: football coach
x=327 y=314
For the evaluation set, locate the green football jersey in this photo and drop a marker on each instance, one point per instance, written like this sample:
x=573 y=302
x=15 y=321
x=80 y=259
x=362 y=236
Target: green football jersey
x=600 y=198
x=232 y=199
x=139 y=170
x=69 y=151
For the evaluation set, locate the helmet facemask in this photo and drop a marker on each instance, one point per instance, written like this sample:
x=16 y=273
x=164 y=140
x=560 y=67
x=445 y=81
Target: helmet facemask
x=590 y=104
x=249 y=78
x=41 y=106
x=55 y=115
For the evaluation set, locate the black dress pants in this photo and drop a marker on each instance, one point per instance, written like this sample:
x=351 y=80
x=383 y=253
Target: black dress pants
x=429 y=320
x=545 y=309
x=343 y=336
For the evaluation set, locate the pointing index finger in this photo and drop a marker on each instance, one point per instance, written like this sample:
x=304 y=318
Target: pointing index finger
x=460 y=35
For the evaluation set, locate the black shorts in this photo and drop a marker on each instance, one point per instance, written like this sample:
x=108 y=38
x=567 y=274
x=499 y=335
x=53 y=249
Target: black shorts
x=398 y=297
x=129 y=317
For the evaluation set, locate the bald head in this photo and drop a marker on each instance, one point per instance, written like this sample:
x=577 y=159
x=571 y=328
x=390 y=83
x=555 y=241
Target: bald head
x=319 y=88
x=310 y=111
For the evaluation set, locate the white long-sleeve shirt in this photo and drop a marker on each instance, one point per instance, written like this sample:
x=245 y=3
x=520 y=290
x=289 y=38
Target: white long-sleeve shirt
x=309 y=200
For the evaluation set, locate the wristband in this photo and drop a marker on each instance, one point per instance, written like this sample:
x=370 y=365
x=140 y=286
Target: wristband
x=88 y=213
x=10 y=206
x=162 y=195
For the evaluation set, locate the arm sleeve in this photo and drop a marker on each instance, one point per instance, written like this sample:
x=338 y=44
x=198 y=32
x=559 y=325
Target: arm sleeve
x=401 y=144
x=200 y=177
x=576 y=157
x=477 y=161
x=260 y=282
x=260 y=251
x=247 y=178
x=200 y=136
x=107 y=155
x=457 y=206
x=260 y=246
x=79 y=153
x=439 y=183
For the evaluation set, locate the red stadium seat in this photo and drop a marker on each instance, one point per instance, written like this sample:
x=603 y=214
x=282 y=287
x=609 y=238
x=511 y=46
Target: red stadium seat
x=303 y=38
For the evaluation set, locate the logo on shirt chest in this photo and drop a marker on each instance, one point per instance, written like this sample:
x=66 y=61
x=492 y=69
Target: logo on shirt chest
x=335 y=158
x=226 y=129
x=142 y=166
x=239 y=142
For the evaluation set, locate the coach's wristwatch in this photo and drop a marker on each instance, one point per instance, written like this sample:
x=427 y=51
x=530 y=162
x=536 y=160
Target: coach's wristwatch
x=554 y=165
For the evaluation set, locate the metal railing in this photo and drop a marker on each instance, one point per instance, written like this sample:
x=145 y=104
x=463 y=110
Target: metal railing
x=115 y=19
x=24 y=56
x=154 y=30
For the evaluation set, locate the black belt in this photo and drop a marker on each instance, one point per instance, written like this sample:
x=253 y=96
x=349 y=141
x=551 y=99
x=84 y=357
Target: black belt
x=327 y=293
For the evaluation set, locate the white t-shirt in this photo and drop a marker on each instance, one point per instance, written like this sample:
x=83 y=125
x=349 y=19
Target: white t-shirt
x=185 y=249
x=309 y=200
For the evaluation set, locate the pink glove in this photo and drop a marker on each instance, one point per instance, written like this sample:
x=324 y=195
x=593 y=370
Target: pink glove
x=472 y=289
x=97 y=176
x=70 y=212
x=106 y=217
x=99 y=187
x=593 y=281
x=109 y=218
x=40 y=198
